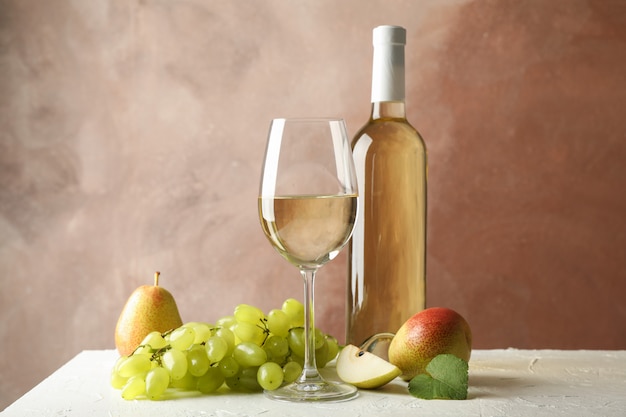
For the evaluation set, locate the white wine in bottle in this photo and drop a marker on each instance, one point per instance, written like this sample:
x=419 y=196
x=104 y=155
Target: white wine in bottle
x=387 y=253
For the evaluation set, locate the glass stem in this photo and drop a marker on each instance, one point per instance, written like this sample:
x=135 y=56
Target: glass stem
x=309 y=372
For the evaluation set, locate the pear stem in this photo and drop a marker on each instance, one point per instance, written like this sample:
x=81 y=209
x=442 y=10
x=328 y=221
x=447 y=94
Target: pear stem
x=156 y=278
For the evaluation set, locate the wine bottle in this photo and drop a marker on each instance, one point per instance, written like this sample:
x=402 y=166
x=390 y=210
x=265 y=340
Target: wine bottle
x=387 y=253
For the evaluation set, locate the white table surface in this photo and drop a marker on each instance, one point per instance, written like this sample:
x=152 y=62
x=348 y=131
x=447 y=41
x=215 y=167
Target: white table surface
x=507 y=383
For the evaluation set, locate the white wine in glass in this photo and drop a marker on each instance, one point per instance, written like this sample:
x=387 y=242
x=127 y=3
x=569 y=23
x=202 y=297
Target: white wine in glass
x=307 y=207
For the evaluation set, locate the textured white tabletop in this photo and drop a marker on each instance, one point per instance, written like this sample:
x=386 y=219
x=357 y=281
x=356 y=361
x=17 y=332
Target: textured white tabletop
x=507 y=383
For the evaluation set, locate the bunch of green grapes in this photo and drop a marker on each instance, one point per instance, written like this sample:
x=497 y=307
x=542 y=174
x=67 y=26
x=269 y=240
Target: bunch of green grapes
x=247 y=351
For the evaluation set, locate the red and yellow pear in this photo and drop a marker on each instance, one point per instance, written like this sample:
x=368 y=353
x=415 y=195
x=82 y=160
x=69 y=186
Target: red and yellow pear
x=429 y=333
x=149 y=308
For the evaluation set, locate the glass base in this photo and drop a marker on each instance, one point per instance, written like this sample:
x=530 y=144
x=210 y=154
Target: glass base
x=314 y=391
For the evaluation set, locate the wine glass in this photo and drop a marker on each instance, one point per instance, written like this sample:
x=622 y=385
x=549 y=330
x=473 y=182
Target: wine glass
x=307 y=207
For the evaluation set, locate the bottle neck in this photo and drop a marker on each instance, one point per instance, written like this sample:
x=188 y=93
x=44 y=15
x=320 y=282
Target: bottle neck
x=388 y=110
x=388 y=81
x=388 y=73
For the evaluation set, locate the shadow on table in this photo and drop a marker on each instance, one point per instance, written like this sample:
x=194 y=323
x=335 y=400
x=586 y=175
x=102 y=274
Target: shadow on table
x=498 y=386
x=395 y=387
x=480 y=386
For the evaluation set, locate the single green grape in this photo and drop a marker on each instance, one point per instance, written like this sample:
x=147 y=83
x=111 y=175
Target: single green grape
x=118 y=362
x=321 y=355
x=295 y=358
x=143 y=350
x=134 y=365
x=291 y=371
x=175 y=362
x=248 y=354
x=296 y=341
x=278 y=323
x=245 y=380
x=157 y=380
x=211 y=381
x=277 y=346
x=249 y=380
x=245 y=313
x=182 y=338
x=229 y=367
x=320 y=338
x=187 y=382
x=247 y=332
x=295 y=311
x=280 y=360
x=154 y=340
x=226 y=322
x=333 y=347
x=276 y=359
x=229 y=337
x=270 y=376
x=202 y=331
x=233 y=383
x=135 y=386
x=216 y=348
x=197 y=360
x=116 y=380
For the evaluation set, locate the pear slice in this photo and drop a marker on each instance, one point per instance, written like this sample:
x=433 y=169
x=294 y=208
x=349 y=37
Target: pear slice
x=363 y=369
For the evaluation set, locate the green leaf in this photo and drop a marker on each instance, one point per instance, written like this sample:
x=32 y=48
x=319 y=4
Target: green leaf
x=445 y=378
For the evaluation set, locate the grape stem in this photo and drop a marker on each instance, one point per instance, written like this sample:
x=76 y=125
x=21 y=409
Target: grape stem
x=167 y=332
x=266 y=330
x=156 y=353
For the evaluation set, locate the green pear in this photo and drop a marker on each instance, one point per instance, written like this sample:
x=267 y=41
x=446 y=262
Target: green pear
x=149 y=308
x=429 y=333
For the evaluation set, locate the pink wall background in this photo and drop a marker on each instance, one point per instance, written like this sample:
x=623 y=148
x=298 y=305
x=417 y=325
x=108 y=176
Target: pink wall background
x=132 y=135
